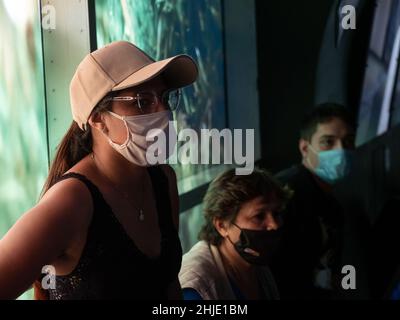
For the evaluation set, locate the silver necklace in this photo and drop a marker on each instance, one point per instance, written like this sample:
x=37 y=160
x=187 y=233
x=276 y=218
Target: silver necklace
x=124 y=194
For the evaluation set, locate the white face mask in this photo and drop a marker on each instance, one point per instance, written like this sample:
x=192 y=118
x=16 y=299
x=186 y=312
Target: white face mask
x=135 y=147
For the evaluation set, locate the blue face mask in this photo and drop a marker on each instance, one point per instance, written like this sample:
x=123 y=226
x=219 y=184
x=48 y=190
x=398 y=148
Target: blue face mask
x=333 y=164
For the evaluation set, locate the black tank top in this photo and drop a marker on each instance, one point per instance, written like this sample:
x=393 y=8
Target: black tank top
x=111 y=266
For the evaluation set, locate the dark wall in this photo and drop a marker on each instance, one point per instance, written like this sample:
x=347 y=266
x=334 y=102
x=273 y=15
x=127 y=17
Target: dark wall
x=301 y=64
x=371 y=199
x=289 y=35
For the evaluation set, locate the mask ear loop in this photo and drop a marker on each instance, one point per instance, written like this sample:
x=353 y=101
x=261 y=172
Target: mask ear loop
x=242 y=236
x=312 y=148
x=315 y=152
x=128 y=133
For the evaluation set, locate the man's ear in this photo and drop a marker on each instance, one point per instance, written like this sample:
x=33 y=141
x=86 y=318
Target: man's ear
x=303 y=147
x=220 y=225
x=96 y=121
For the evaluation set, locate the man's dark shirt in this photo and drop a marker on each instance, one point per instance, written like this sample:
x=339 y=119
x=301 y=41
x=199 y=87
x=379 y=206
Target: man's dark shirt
x=312 y=228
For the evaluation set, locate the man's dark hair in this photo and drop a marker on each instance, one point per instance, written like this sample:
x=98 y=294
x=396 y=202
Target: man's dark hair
x=324 y=113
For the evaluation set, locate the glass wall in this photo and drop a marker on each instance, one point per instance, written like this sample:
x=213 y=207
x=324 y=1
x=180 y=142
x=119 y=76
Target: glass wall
x=190 y=223
x=23 y=147
x=376 y=96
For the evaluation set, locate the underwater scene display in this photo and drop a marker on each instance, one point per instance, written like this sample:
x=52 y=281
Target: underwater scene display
x=23 y=140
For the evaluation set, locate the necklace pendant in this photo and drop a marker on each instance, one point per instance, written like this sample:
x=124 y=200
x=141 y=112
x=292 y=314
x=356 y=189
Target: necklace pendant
x=141 y=215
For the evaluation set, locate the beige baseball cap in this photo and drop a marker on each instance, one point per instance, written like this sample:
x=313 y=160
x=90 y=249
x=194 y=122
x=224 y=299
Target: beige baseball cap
x=118 y=66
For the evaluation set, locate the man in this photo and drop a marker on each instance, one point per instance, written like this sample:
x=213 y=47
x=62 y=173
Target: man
x=309 y=258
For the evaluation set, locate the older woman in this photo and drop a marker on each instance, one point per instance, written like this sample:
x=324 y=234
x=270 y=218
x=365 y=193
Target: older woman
x=107 y=223
x=239 y=237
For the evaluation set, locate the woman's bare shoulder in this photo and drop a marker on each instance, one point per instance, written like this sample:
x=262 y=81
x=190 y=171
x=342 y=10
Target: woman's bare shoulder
x=42 y=234
x=69 y=196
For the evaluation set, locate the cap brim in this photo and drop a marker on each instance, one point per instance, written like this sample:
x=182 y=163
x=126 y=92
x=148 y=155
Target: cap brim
x=178 y=72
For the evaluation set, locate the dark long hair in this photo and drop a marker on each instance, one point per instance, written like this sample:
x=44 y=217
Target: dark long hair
x=74 y=146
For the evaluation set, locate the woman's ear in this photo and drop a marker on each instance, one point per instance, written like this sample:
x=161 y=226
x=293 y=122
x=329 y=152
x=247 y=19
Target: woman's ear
x=96 y=121
x=220 y=226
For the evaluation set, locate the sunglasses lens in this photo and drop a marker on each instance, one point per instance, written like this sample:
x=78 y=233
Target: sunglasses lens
x=173 y=99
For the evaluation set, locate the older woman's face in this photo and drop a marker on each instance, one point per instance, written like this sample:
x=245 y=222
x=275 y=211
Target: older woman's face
x=259 y=214
x=256 y=214
x=116 y=128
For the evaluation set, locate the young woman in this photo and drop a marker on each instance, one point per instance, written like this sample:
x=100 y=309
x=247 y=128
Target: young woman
x=107 y=224
x=238 y=239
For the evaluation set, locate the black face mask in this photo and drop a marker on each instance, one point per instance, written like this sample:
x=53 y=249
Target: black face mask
x=257 y=246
